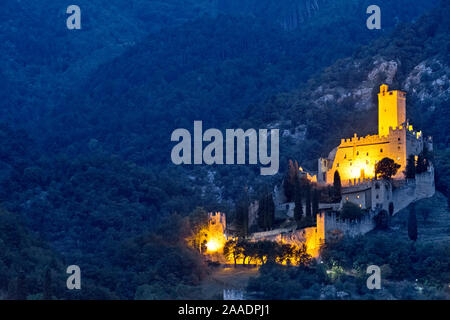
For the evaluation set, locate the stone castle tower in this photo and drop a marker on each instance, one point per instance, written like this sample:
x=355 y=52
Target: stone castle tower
x=355 y=158
x=391 y=110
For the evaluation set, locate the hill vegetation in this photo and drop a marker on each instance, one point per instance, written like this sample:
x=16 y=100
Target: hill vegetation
x=85 y=176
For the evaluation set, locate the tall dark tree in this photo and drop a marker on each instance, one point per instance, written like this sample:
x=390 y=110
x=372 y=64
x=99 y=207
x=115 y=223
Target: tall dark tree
x=266 y=212
x=410 y=172
x=308 y=199
x=270 y=211
x=290 y=180
x=337 y=187
x=391 y=208
x=386 y=168
x=315 y=203
x=298 y=210
x=412 y=224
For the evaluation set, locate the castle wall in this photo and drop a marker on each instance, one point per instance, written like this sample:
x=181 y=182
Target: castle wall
x=267 y=235
x=423 y=186
x=378 y=193
x=359 y=198
x=312 y=237
x=382 y=195
x=414 y=142
x=352 y=228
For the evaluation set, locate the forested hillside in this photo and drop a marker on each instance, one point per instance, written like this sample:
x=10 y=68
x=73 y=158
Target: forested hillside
x=328 y=14
x=42 y=59
x=85 y=171
x=182 y=73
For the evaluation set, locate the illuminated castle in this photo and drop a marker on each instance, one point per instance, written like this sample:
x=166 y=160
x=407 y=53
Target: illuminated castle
x=355 y=158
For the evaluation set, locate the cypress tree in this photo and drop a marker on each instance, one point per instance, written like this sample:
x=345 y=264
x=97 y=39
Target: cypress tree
x=266 y=211
x=298 y=210
x=391 y=208
x=410 y=171
x=308 y=203
x=290 y=180
x=262 y=211
x=337 y=187
x=315 y=203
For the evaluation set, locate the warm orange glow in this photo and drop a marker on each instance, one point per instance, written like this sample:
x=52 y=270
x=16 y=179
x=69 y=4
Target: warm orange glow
x=215 y=233
x=309 y=177
x=361 y=169
x=213 y=239
x=216 y=243
x=355 y=158
x=212 y=245
x=210 y=238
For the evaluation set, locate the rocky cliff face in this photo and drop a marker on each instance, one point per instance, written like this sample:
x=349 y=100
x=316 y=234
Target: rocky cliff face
x=427 y=81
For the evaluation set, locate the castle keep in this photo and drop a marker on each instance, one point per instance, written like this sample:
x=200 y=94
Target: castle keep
x=355 y=158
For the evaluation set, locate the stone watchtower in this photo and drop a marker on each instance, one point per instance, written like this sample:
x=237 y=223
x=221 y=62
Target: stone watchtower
x=391 y=110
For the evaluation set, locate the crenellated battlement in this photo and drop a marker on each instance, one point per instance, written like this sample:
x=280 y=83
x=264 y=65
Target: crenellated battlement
x=355 y=140
x=376 y=139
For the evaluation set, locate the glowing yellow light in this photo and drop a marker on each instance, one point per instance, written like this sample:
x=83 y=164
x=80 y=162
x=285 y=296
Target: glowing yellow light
x=360 y=169
x=213 y=245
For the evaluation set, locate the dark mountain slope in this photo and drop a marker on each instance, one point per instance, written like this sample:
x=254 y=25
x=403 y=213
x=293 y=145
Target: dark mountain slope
x=342 y=99
x=98 y=209
x=92 y=210
x=44 y=59
x=210 y=69
x=24 y=261
x=298 y=14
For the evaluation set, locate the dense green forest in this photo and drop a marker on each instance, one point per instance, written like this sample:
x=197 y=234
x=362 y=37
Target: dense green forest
x=85 y=173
